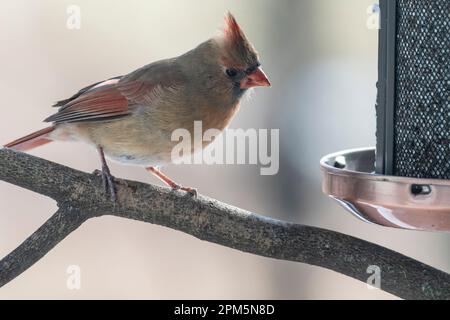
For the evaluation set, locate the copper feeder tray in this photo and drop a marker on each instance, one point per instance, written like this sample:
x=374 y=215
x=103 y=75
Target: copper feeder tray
x=400 y=202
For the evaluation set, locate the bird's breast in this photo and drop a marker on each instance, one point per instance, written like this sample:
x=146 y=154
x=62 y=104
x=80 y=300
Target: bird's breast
x=217 y=117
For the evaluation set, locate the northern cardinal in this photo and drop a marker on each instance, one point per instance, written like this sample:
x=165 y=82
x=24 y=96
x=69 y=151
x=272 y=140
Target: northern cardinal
x=130 y=118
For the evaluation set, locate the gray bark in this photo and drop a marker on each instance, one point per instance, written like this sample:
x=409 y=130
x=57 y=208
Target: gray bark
x=80 y=196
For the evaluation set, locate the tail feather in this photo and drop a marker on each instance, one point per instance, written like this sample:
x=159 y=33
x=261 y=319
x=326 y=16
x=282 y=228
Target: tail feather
x=32 y=140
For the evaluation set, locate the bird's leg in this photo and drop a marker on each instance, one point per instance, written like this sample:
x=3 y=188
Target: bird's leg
x=170 y=182
x=107 y=178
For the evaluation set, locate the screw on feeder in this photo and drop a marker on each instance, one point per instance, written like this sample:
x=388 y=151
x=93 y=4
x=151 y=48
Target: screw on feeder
x=420 y=189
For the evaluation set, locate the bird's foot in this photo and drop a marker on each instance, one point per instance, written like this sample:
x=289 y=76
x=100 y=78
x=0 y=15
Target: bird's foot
x=175 y=186
x=189 y=190
x=109 y=183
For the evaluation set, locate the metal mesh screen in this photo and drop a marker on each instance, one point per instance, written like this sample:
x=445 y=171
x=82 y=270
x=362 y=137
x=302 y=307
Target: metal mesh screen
x=422 y=83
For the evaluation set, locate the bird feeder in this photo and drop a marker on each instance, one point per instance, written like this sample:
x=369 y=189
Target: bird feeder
x=404 y=181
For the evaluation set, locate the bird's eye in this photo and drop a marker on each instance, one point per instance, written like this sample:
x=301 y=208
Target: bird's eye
x=231 y=73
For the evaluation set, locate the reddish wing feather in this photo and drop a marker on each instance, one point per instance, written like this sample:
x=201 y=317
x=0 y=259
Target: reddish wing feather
x=86 y=89
x=107 y=102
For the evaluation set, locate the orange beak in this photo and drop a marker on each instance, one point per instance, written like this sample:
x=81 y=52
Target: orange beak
x=255 y=79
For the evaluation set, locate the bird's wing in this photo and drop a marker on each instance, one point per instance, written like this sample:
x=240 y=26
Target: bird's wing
x=91 y=87
x=114 y=98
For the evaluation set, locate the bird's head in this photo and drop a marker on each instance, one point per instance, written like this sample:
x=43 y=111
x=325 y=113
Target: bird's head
x=238 y=59
x=225 y=67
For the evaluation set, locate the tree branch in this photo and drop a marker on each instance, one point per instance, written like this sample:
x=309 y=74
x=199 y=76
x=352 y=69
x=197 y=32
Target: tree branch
x=80 y=196
x=54 y=230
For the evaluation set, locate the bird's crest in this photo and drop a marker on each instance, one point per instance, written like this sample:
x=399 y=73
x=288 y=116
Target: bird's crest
x=233 y=32
x=237 y=44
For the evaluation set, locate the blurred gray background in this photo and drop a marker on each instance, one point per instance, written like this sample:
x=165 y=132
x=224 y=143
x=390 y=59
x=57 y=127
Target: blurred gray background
x=322 y=62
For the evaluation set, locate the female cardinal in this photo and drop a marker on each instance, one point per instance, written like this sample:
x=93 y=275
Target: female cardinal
x=130 y=118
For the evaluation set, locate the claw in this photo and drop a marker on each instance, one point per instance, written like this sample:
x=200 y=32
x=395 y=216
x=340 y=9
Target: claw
x=192 y=191
x=170 y=182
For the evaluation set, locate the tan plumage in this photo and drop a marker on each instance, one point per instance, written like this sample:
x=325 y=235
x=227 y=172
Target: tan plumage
x=131 y=118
